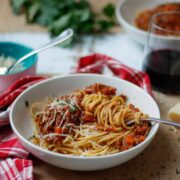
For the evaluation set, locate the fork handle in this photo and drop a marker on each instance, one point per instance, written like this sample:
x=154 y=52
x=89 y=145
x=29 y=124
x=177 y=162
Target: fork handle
x=162 y=121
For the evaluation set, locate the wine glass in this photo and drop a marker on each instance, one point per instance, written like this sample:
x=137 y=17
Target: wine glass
x=162 y=52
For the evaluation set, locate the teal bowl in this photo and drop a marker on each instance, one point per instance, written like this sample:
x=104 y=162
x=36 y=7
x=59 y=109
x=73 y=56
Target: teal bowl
x=16 y=51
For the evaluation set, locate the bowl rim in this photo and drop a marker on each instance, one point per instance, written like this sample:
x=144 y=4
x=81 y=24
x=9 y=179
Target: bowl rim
x=21 y=46
x=155 y=126
x=123 y=21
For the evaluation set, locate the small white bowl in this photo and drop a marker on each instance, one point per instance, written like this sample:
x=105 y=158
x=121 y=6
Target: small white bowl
x=22 y=124
x=127 y=11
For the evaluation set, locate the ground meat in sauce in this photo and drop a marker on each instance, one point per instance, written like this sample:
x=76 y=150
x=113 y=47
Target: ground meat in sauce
x=57 y=116
x=171 y=23
x=95 y=88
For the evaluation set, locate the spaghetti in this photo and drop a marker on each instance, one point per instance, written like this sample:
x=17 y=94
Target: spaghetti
x=90 y=122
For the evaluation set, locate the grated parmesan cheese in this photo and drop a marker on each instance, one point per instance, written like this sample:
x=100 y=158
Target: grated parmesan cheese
x=174 y=113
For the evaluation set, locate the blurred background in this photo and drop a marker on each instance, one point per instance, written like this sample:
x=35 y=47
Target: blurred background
x=12 y=23
x=14 y=28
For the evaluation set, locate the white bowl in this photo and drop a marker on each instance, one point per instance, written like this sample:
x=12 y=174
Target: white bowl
x=22 y=124
x=127 y=11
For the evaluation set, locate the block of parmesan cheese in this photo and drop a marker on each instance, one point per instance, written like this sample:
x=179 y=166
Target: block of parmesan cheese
x=174 y=113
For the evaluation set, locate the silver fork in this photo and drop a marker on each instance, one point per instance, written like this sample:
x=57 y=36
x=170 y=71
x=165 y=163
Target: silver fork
x=171 y=123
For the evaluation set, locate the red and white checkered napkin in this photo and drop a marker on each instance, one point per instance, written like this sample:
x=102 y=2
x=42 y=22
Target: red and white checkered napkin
x=13 y=164
x=95 y=64
x=17 y=167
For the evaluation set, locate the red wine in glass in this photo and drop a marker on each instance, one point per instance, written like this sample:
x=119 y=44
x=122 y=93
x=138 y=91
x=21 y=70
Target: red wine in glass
x=162 y=52
x=163 y=67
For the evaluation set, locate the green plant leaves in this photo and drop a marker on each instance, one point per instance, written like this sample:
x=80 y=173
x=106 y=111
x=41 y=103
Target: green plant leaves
x=58 y=15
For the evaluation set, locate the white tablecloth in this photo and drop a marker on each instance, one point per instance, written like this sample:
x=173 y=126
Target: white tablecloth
x=60 y=60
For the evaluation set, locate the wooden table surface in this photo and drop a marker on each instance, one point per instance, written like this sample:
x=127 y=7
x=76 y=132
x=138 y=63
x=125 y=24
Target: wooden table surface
x=161 y=160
